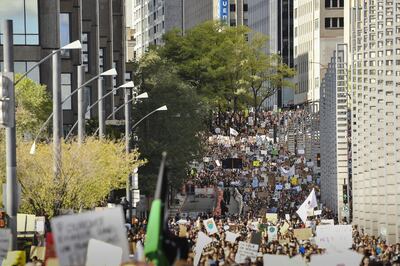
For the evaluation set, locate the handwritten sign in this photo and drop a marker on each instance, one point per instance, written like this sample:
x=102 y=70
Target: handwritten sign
x=272 y=217
x=344 y=258
x=17 y=258
x=246 y=250
x=5 y=236
x=73 y=232
x=101 y=253
x=270 y=259
x=337 y=237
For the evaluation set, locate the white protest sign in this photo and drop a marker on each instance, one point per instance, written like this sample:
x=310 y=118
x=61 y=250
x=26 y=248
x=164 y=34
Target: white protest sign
x=246 y=250
x=202 y=241
x=210 y=226
x=287 y=217
x=327 y=222
x=101 y=253
x=5 y=236
x=346 y=258
x=317 y=212
x=231 y=237
x=337 y=237
x=284 y=228
x=73 y=232
x=272 y=260
x=272 y=233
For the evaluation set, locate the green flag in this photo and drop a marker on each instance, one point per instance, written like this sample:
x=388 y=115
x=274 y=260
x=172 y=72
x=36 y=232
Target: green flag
x=154 y=244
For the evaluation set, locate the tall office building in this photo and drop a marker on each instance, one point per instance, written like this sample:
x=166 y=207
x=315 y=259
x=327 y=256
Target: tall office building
x=335 y=138
x=318 y=27
x=274 y=18
x=374 y=31
x=98 y=24
x=151 y=19
x=233 y=12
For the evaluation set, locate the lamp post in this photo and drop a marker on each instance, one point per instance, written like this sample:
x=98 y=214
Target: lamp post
x=110 y=72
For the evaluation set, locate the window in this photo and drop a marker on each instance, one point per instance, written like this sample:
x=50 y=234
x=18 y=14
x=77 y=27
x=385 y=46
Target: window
x=85 y=50
x=245 y=7
x=101 y=59
x=66 y=90
x=327 y=22
x=232 y=7
x=23 y=66
x=24 y=13
x=334 y=23
x=334 y=3
x=128 y=76
x=65 y=32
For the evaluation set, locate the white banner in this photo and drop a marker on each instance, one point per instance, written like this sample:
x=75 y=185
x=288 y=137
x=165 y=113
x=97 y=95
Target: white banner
x=336 y=237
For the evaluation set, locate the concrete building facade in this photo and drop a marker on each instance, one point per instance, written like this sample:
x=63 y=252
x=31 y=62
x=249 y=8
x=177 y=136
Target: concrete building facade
x=274 y=18
x=318 y=27
x=375 y=54
x=41 y=26
x=335 y=123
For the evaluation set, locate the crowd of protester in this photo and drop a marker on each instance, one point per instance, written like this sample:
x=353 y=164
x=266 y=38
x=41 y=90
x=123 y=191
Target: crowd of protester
x=268 y=179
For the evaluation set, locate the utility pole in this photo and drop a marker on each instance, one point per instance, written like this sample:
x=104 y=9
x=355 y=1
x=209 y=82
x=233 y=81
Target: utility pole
x=57 y=115
x=11 y=157
x=128 y=107
x=81 y=112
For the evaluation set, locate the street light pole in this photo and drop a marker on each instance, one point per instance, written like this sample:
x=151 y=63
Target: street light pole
x=81 y=115
x=128 y=107
x=11 y=158
x=57 y=113
x=101 y=109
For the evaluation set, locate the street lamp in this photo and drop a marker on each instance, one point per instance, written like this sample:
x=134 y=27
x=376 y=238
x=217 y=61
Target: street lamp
x=110 y=72
x=71 y=46
x=162 y=108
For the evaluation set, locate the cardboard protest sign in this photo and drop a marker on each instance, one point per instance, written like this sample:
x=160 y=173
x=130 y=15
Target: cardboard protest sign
x=73 y=232
x=5 y=236
x=246 y=250
x=284 y=228
x=15 y=258
x=336 y=237
x=231 y=237
x=273 y=260
x=182 y=230
x=272 y=217
x=272 y=233
x=202 y=241
x=303 y=233
x=25 y=222
x=210 y=226
x=38 y=252
x=102 y=253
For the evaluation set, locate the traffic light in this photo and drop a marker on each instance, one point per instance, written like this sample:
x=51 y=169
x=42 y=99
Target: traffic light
x=345 y=194
x=6 y=99
x=3 y=221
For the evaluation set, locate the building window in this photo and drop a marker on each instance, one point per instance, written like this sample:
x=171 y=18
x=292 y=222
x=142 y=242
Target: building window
x=85 y=50
x=128 y=76
x=334 y=23
x=101 y=59
x=65 y=32
x=66 y=90
x=232 y=7
x=23 y=66
x=334 y=3
x=24 y=14
x=245 y=7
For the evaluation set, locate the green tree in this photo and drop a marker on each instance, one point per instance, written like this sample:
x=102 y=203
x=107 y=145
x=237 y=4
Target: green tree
x=88 y=174
x=33 y=106
x=176 y=131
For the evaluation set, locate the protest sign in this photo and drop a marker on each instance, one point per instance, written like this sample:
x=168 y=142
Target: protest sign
x=337 y=237
x=272 y=233
x=300 y=151
x=309 y=178
x=264 y=152
x=284 y=228
x=39 y=224
x=5 y=236
x=246 y=250
x=327 y=222
x=287 y=186
x=101 y=253
x=345 y=258
x=317 y=212
x=231 y=237
x=287 y=217
x=278 y=187
x=303 y=233
x=17 y=258
x=26 y=222
x=256 y=163
x=272 y=217
x=202 y=241
x=182 y=230
x=273 y=260
x=210 y=226
x=38 y=252
x=73 y=232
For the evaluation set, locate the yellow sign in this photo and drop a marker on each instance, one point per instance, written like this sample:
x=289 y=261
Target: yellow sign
x=272 y=217
x=256 y=163
x=303 y=233
x=15 y=258
x=294 y=181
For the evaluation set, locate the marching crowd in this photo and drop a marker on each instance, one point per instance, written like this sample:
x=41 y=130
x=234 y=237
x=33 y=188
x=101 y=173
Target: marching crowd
x=264 y=190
